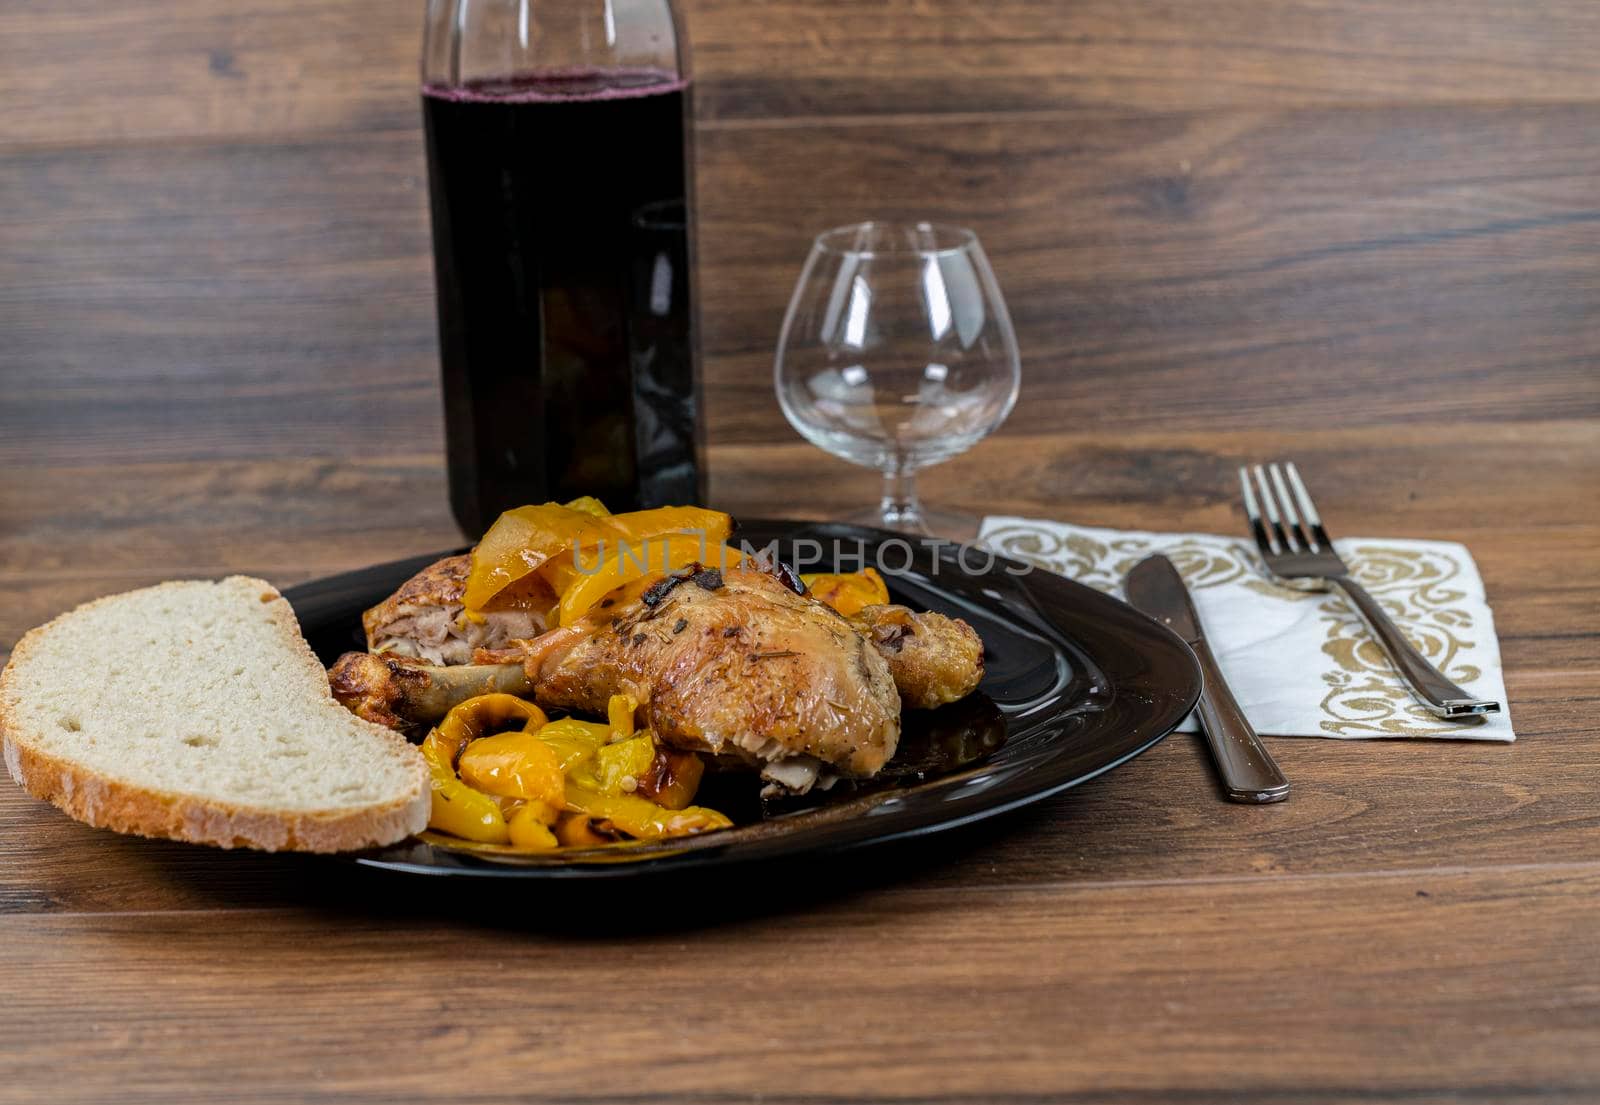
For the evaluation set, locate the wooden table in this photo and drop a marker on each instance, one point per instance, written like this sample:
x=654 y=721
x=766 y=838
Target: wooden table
x=1365 y=235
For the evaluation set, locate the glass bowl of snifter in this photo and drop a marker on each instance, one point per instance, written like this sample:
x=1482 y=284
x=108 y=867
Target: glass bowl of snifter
x=897 y=353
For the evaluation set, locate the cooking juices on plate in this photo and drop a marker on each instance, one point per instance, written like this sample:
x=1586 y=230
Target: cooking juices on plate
x=557 y=143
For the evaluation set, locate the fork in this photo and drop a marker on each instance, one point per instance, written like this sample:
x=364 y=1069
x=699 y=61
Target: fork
x=1304 y=552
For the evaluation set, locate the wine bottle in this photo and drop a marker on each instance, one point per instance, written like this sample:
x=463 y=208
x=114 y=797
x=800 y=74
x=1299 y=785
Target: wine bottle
x=559 y=173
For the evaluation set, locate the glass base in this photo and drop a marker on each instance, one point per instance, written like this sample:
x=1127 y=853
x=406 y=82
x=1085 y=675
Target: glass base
x=949 y=525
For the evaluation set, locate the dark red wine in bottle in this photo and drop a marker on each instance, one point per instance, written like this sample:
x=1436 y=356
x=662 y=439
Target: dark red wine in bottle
x=562 y=224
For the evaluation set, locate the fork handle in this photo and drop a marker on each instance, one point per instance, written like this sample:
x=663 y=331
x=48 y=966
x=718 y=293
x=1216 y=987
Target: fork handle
x=1431 y=688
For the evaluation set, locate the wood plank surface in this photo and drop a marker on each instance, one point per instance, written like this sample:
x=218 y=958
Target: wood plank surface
x=1364 y=234
x=1137 y=254
x=179 y=69
x=1297 y=989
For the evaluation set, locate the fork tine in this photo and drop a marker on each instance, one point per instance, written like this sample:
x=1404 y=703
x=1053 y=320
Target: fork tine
x=1291 y=517
x=1308 y=508
x=1263 y=538
x=1270 y=506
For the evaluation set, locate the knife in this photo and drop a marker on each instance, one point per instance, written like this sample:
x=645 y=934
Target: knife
x=1248 y=771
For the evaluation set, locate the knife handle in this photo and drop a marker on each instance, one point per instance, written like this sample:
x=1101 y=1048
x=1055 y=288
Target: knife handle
x=1249 y=773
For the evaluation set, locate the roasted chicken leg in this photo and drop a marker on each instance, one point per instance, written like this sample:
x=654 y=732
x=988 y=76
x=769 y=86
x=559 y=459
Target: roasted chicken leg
x=735 y=664
x=407 y=694
x=934 y=660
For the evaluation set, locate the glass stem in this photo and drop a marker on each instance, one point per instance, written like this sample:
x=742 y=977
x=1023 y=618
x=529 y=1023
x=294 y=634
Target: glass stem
x=900 y=504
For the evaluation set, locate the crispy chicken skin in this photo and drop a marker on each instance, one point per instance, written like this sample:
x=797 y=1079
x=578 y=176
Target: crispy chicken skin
x=735 y=664
x=425 y=618
x=934 y=660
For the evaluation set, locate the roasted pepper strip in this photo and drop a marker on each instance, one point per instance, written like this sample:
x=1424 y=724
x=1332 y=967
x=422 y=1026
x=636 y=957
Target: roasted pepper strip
x=705 y=534
x=641 y=766
x=457 y=808
x=639 y=525
x=485 y=714
x=848 y=592
x=672 y=778
x=656 y=556
x=575 y=831
x=640 y=818
x=521 y=540
x=619 y=712
x=514 y=765
x=588 y=504
x=513 y=787
x=528 y=827
x=574 y=742
x=620 y=765
x=524 y=540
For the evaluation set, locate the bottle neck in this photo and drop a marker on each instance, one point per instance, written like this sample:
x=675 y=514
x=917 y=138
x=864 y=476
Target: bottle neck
x=486 y=42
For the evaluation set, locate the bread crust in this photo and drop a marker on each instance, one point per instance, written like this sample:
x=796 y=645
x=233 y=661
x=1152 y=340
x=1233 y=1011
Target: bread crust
x=110 y=803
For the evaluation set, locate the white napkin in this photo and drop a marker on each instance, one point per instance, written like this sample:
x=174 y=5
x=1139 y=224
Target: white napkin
x=1302 y=663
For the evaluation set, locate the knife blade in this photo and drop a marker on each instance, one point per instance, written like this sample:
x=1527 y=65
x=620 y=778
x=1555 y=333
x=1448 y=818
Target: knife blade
x=1249 y=774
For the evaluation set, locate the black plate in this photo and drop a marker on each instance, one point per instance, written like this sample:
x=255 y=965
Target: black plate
x=1079 y=681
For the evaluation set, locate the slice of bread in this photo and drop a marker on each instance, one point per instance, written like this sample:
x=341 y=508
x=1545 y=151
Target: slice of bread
x=196 y=711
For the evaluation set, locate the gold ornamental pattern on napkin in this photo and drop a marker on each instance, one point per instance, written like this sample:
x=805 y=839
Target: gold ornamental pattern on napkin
x=1302 y=662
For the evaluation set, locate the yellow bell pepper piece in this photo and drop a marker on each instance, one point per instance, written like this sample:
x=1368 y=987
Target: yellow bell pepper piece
x=541 y=787
x=712 y=525
x=480 y=716
x=619 y=766
x=619 y=712
x=529 y=829
x=640 y=818
x=521 y=540
x=514 y=765
x=528 y=538
x=574 y=831
x=588 y=504
x=656 y=556
x=458 y=809
x=542 y=812
x=847 y=592
x=627 y=536
x=673 y=778
x=643 y=767
x=574 y=742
